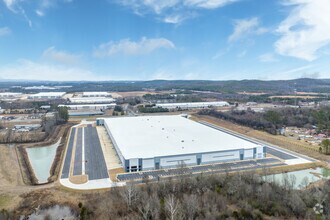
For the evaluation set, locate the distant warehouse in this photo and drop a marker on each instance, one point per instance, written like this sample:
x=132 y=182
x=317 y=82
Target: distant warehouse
x=10 y=95
x=92 y=100
x=96 y=94
x=89 y=106
x=156 y=142
x=189 y=105
x=47 y=95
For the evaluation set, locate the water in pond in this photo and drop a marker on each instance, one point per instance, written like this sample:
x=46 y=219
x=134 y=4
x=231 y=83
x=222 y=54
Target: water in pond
x=55 y=212
x=41 y=159
x=300 y=178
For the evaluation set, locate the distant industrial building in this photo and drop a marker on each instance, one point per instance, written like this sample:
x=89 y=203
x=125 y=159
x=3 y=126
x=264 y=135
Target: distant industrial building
x=27 y=127
x=96 y=94
x=90 y=106
x=189 y=105
x=47 y=95
x=92 y=100
x=10 y=95
x=85 y=113
x=156 y=142
x=45 y=107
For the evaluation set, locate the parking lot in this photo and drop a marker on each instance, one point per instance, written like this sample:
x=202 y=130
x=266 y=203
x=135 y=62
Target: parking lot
x=77 y=169
x=215 y=168
x=95 y=163
x=88 y=154
x=67 y=161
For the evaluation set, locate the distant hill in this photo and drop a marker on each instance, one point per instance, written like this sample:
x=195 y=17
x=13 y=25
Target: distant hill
x=230 y=86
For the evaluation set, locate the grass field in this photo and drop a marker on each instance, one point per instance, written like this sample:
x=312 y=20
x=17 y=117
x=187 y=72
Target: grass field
x=295 y=97
x=281 y=141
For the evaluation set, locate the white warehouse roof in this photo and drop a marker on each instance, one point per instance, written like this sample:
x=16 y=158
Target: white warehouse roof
x=92 y=100
x=154 y=136
x=96 y=94
x=47 y=94
x=89 y=105
x=192 y=104
x=9 y=94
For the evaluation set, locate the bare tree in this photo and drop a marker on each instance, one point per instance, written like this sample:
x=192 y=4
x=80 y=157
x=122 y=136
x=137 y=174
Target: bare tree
x=171 y=206
x=304 y=182
x=190 y=205
x=130 y=194
x=145 y=207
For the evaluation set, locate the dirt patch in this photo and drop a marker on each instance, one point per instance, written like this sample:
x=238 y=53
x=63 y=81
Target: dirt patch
x=9 y=168
x=81 y=179
x=26 y=167
x=294 y=97
x=113 y=173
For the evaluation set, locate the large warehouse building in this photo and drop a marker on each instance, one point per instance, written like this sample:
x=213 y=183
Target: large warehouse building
x=190 y=105
x=156 y=142
x=47 y=95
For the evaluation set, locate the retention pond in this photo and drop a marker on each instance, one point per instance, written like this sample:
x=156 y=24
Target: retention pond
x=41 y=159
x=300 y=179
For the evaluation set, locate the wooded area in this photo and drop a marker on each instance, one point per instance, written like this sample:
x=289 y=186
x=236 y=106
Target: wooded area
x=272 y=120
x=236 y=196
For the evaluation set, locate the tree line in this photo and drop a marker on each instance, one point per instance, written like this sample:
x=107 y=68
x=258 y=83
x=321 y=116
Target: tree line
x=241 y=196
x=272 y=120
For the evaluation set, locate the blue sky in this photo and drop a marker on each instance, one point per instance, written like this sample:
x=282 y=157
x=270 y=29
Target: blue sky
x=164 y=39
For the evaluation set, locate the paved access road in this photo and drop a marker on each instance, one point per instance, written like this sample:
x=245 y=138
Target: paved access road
x=282 y=154
x=67 y=161
x=95 y=163
x=279 y=154
x=196 y=170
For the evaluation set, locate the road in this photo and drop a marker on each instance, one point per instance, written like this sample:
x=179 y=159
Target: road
x=282 y=153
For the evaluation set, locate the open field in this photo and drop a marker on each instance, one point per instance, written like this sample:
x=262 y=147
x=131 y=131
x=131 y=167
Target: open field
x=295 y=97
x=281 y=141
x=10 y=176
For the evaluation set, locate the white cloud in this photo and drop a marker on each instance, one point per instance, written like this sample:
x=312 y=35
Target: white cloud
x=46 y=4
x=246 y=27
x=18 y=7
x=242 y=54
x=208 y=4
x=5 y=31
x=15 y=7
x=27 y=69
x=177 y=18
x=62 y=57
x=267 y=58
x=128 y=47
x=305 y=30
x=10 y=4
x=173 y=11
x=40 y=13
